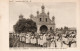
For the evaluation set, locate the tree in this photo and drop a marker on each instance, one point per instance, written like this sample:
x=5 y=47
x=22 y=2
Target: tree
x=24 y=26
x=65 y=29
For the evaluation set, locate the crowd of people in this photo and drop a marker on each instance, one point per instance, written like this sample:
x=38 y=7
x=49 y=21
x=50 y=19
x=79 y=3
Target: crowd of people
x=50 y=40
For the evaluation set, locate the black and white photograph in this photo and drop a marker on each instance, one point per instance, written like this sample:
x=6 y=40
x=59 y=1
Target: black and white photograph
x=42 y=24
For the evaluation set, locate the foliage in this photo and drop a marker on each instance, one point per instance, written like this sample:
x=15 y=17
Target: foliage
x=25 y=25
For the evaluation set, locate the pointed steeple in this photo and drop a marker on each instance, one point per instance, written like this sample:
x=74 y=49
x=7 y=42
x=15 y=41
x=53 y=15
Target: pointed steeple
x=37 y=12
x=31 y=16
x=43 y=8
x=20 y=16
x=53 y=18
x=48 y=13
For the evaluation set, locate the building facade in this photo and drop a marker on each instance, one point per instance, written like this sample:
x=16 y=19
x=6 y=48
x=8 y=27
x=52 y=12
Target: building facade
x=43 y=21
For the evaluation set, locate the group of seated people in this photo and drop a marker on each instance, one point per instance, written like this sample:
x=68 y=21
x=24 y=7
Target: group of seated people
x=48 y=40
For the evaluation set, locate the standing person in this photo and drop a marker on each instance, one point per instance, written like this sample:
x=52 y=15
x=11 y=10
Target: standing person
x=65 y=42
x=72 y=42
x=41 y=40
x=48 y=40
x=58 y=42
x=34 y=40
x=27 y=38
x=20 y=37
x=56 y=39
x=53 y=43
x=44 y=40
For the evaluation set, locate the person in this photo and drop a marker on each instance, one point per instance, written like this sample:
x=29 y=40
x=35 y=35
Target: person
x=44 y=40
x=20 y=37
x=72 y=42
x=48 y=40
x=65 y=42
x=58 y=42
x=27 y=38
x=41 y=40
x=32 y=39
x=53 y=43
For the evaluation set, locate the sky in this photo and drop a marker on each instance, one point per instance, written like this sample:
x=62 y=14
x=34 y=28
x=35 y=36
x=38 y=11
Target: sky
x=64 y=12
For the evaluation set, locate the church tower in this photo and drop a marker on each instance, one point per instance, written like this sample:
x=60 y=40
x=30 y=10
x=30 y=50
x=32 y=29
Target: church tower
x=43 y=21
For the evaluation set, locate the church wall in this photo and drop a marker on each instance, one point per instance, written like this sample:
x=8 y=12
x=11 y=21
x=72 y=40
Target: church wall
x=43 y=19
x=38 y=28
x=48 y=26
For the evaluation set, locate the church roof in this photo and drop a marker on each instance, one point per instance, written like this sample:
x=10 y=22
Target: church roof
x=43 y=14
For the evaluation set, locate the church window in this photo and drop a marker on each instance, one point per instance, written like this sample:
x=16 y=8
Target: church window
x=50 y=28
x=40 y=19
x=46 y=19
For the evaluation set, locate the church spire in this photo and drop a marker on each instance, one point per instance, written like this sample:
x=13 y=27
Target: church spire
x=48 y=13
x=20 y=16
x=43 y=8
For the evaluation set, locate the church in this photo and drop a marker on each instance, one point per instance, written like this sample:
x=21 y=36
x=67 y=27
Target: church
x=43 y=21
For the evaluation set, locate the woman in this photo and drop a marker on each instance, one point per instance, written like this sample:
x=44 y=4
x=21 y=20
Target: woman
x=48 y=40
x=44 y=41
x=72 y=42
x=65 y=42
x=41 y=41
x=27 y=38
x=44 y=38
x=32 y=39
x=58 y=43
x=53 y=43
